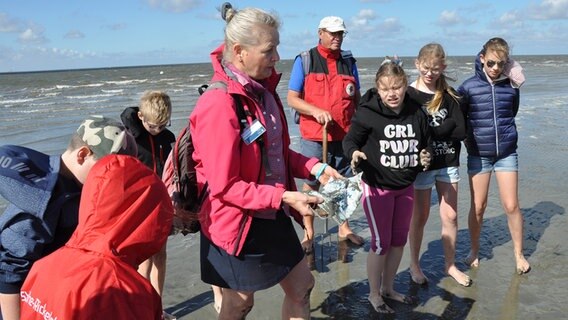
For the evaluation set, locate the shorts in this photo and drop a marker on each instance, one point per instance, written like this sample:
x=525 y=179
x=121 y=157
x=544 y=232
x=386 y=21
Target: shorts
x=427 y=179
x=271 y=250
x=335 y=157
x=477 y=164
x=388 y=213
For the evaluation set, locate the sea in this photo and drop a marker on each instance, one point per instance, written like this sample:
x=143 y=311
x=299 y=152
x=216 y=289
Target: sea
x=40 y=110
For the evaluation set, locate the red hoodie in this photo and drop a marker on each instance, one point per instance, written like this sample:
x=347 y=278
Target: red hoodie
x=234 y=170
x=125 y=217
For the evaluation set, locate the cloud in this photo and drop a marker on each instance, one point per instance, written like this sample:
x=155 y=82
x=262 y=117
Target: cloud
x=68 y=53
x=448 y=18
x=9 y=24
x=508 y=21
x=32 y=58
x=549 y=10
x=27 y=34
x=452 y=18
x=391 y=25
x=74 y=34
x=176 y=6
x=32 y=35
x=116 y=26
x=363 y=18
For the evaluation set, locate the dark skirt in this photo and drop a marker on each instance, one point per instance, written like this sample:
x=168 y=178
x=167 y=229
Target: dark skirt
x=271 y=250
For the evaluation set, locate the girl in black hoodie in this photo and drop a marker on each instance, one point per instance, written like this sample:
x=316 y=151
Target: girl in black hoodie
x=389 y=135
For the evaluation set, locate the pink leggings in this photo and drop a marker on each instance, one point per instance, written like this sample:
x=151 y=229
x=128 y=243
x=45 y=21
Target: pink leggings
x=388 y=213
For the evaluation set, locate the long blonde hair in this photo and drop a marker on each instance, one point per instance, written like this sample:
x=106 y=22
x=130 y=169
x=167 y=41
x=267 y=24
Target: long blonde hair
x=431 y=52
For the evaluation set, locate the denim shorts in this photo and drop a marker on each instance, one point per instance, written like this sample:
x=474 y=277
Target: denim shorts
x=426 y=180
x=477 y=164
x=335 y=157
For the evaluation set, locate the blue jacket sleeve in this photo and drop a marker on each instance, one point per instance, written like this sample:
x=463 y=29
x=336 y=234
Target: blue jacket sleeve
x=296 y=82
x=23 y=238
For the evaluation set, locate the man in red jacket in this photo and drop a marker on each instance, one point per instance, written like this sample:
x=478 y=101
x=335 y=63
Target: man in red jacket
x=325 y=94
x=125 y=217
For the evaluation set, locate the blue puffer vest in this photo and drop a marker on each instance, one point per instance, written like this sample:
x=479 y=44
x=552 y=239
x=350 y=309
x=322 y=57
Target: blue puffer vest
x=490 y=110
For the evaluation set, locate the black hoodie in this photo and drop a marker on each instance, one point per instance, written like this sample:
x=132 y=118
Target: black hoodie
x=152 y=150
x=391 y=142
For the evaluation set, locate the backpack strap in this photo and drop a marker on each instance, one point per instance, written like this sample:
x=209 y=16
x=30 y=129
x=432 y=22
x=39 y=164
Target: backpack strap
x=346 y=55
x=348 y=58
x=240 y=110
x=305 y=56
x=242 y=115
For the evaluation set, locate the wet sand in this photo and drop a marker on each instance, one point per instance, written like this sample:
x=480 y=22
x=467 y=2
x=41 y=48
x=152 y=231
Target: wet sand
x=497 y=291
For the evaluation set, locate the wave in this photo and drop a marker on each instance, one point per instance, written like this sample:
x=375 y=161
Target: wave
x=90 y=85
x=44 y=104
x=169 y=79
x=113 y=91
x=16 y=101
x=133 y=81
x=90 y=96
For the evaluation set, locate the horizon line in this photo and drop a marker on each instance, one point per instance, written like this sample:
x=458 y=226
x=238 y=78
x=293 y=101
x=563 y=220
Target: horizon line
x=190 y=63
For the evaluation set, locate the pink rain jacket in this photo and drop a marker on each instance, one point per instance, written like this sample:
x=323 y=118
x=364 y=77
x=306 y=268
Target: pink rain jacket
x=233 y=169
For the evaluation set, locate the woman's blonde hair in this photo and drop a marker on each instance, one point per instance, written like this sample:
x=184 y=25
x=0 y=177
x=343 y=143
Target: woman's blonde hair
x=156 y=107
x=435 y=52
x=242 y=27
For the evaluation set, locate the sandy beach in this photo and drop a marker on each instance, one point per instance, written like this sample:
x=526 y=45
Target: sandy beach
x=497 y=291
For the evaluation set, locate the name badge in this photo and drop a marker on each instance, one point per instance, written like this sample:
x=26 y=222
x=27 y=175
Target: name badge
x=252 y=132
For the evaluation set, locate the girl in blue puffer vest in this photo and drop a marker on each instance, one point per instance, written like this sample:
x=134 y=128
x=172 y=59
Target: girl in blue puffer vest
x=490 y=104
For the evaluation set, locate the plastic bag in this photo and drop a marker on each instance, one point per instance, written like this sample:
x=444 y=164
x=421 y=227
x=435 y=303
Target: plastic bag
x=340 y=198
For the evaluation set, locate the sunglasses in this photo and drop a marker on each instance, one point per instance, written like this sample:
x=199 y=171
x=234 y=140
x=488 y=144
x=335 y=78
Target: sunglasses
x=160 y=127
x=425 y=70
x=491 y=63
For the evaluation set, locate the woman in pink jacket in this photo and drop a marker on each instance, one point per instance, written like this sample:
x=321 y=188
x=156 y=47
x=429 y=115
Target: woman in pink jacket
x=248 y=242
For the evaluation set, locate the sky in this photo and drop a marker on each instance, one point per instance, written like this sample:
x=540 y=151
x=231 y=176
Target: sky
x=40 y=35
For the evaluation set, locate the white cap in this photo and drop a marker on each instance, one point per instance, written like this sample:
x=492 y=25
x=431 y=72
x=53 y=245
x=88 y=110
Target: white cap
x=332 y=24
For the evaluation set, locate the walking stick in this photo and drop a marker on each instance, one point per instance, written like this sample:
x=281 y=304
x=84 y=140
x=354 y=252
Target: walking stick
x=326 y=226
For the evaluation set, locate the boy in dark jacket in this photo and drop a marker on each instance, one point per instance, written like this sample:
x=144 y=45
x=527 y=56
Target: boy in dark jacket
x=44 y=193
x=148 y=123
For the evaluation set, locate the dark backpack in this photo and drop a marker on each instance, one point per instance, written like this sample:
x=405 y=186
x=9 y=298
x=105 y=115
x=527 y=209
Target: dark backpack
x=180 y=176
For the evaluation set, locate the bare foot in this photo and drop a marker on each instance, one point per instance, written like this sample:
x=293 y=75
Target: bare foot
x=417 y=275
x=379 y=305
x=523 y=265
x=308 y=244
x=460 y=277
x=217 y=308
x=345 y=233
x=217 y=298
x=393 y=295
x=353 y=238
x=472 y=260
